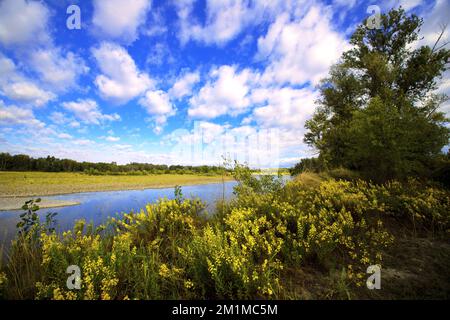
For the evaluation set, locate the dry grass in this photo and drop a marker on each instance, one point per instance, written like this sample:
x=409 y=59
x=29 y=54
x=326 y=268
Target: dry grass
x=14 y=184
x=309 y=179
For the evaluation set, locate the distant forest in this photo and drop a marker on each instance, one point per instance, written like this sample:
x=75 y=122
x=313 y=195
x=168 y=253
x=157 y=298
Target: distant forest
x=22 y=162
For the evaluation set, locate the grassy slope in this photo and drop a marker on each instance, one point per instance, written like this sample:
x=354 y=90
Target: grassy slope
x=50 y=183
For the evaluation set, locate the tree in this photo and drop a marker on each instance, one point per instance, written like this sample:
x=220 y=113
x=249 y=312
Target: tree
x=376 y=112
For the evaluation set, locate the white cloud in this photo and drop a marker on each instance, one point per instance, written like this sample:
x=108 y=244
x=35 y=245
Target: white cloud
x=88 y=111
x=184 y=84
x=13 y=115
x=23 y=22
x=208 y=143
x=64 y=136
x=345 y=3
x=300 y=50
x=27 y=93
x=409 y=4
x=7 y=69
x=157 y=103
x=58 y=118
x=24 y=25
x=62 y=119
x=120 y=19
x=121 y=80
x=59 y=70
x=83 y=142
x=16 y=87
x=226 y=19
x=112 y=139
x=226 y=93
x=434 y=19
x=284 y=108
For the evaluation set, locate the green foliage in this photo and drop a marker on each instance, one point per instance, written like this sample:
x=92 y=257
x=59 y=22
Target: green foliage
x=23 y=162
x=178 y=193
x=30 y=219
x=376 y=113
x=385 y=143
x=343 y=174
x=424 y=205
x=307 y=164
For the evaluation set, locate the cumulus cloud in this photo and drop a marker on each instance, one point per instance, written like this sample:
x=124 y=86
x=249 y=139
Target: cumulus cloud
x=409 y=4
x=434 y=20
x=13 y=115
x=24 y=28
x=64 y=135
x=120 y=80
x=157 y=104
x=62 y=119
x=83 y=142
x=112 y=139
x=120 y=19
x=285 y=107
x=225 y=20
x=184 y=85
x=28 y=93
x=23 y=22
x=300 y=50
x=61 y=71
x=87 y=111
x=225 y=93
x=15 y=86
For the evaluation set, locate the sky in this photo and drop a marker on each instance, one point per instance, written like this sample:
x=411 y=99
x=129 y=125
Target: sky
x=175 y=82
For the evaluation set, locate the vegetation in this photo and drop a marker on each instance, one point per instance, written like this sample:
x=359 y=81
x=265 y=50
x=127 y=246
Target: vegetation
x=23 y=162
x=47 y=183
x=259 y=245
x=378 y=113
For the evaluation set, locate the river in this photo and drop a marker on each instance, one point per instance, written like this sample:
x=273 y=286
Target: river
x=96 y=207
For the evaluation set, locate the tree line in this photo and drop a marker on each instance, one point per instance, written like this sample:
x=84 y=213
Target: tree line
x=22 y=162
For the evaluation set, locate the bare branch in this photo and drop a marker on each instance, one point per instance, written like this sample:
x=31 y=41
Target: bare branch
x=443 y=28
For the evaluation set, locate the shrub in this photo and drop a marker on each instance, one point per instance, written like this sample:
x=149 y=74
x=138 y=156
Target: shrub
x=424 y=205
x=240 y=262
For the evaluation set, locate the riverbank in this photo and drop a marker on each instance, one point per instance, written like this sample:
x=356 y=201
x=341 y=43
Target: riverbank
x=16 y=203
x=31 y=184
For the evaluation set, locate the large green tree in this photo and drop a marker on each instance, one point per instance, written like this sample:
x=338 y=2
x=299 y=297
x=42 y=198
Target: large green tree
x=377 y=112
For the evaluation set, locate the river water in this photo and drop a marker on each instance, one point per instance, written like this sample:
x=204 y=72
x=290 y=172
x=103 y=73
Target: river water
x=96 y=207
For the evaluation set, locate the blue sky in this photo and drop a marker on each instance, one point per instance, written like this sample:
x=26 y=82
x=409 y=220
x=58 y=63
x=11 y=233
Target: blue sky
x=176 y=82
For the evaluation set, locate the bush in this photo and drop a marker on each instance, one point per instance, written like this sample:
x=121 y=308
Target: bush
x=424 y=205
x=344 y=174
x=240 y=262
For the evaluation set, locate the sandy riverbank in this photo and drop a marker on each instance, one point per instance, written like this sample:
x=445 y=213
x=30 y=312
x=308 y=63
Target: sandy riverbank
x=16 y=203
